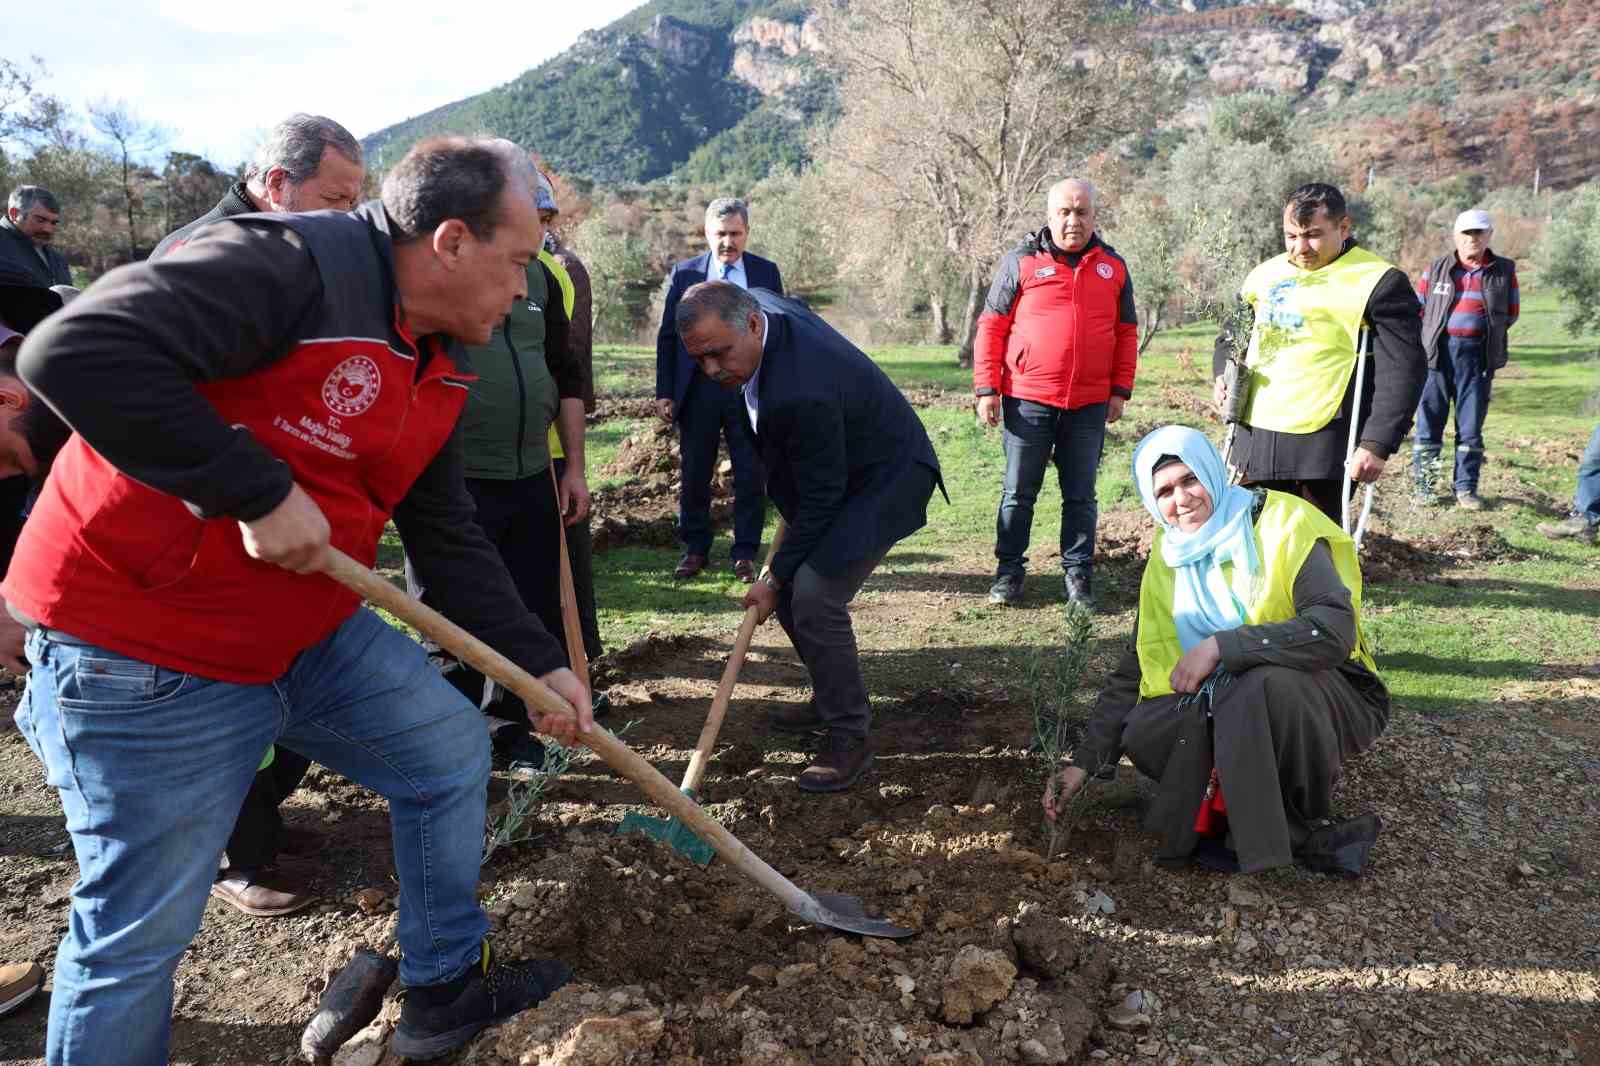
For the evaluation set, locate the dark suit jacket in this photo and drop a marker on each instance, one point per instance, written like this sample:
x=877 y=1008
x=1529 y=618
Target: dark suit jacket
x=674 y=369
x=19 y=259
x=849 y=465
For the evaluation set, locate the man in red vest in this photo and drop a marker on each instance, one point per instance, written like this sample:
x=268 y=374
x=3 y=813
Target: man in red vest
x=281 y=384
x=1056 y=347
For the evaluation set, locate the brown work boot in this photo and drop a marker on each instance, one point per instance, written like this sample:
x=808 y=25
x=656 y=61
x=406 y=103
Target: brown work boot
x=838 y=765
x=264 y=893
x=19 y=982
x=689 y=566
x=798 y=718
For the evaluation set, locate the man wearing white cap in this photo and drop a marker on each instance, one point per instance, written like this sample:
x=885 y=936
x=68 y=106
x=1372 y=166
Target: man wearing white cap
x=1469 y=303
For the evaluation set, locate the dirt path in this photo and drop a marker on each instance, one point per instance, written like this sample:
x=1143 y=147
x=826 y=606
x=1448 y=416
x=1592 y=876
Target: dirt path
x=1475 y=938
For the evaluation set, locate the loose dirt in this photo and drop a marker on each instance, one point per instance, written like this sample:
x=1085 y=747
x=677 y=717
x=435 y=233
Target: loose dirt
x=1472 y=939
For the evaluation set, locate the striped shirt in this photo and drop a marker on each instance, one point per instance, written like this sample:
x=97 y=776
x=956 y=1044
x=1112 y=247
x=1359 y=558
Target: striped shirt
x=1466 y=314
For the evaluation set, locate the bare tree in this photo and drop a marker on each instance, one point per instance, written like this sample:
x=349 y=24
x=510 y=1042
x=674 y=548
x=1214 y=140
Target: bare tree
x=131 y=136
x=25 y=112
x=957 y=115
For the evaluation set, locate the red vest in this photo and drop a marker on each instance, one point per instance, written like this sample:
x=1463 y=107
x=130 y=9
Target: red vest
x=113 y=562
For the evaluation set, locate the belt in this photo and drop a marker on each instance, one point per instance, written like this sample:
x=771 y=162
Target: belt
x=55 y=636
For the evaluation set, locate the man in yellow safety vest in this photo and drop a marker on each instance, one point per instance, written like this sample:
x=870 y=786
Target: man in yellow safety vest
x=1310 y=306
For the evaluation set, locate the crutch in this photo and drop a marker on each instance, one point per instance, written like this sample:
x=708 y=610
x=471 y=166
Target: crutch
x=1363 y=349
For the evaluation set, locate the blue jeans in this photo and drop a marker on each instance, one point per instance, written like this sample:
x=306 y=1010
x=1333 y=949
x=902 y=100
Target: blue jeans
x=1587 y=500
x=1461 y=375
x=711 y=412
x=1034 y=434
x=152 y=765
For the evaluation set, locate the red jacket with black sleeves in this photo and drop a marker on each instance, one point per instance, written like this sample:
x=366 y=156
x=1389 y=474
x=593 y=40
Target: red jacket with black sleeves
x=1058 y=328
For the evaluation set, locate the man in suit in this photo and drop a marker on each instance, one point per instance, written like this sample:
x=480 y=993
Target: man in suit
x=705 y=412
x=851 y=470
x=32 y=215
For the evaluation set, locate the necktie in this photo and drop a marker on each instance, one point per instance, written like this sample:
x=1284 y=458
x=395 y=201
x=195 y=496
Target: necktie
x=727 y=269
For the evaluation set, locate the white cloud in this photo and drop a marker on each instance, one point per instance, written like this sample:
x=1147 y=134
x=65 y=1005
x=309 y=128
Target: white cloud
x=216 y=81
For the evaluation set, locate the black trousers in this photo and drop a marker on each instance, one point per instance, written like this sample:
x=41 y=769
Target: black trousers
x=254 y=842
x=522 y=519
x=1321 y=493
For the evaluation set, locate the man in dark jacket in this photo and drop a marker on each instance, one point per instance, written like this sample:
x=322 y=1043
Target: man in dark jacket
x=307 y=163
x=1469 y=303
x=851 y=470
x=704 y=412
x=1310 y=306
x=32 y=215
x=1055 y=353
x=282 y=384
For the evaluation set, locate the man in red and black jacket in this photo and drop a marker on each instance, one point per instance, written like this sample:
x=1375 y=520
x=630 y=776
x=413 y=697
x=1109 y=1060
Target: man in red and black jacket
x=280 y=385
x=1055 y=354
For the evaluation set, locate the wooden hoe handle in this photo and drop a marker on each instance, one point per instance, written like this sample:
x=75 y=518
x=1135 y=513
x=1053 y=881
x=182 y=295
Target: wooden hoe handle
x=730 y=677
x=571 y=628
x=617 y=755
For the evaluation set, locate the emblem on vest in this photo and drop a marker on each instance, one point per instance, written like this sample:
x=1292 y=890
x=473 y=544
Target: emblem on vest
x=352 y=387
x=1442 y=288
x=1045 y=272
x=1104 y=270
x=1279 y=313
x=533 y=306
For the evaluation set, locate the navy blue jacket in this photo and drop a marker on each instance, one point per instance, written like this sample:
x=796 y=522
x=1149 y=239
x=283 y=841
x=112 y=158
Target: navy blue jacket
x=674 y=368
x=849 y=465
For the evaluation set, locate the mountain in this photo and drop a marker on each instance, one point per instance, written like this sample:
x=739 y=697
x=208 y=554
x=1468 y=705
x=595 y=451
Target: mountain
x=719 y=88
x=1424 y=90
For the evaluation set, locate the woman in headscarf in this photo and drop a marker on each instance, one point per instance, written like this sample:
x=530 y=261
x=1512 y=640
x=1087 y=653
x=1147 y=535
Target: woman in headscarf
x=1247 y=682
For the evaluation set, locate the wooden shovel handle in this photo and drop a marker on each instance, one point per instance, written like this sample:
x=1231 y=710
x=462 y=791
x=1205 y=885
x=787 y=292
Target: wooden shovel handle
x=730 y=677
x=617 y=755
x=571 y=627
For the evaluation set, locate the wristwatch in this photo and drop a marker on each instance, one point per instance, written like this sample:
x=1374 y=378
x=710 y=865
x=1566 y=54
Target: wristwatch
x=771 y=582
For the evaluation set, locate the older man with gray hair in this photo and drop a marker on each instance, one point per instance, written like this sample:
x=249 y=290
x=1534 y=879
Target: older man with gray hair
x=703 y=411
x=32 y=215
x=307 y=163
x=1056 y=347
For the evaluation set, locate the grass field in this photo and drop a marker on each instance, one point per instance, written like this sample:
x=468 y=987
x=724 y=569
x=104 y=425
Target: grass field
x=1444 y=643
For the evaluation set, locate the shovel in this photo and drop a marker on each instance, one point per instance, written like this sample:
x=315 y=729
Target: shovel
x=671 y=831
x=837 y=911
x=571 y=628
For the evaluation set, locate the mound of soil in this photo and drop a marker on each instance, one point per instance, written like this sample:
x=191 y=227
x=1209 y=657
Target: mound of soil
x=1388 y=559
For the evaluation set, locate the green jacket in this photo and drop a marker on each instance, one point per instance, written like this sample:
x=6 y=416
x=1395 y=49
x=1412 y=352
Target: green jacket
x=524 y=373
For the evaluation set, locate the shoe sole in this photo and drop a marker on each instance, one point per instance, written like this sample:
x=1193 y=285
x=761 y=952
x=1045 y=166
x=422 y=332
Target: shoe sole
x=18 y=1000
x=431 y=1047
x=841 y=785
x=1002 y=601
x=261 y=912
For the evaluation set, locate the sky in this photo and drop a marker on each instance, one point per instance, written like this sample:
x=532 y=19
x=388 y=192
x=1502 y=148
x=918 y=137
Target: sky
x=217 y=78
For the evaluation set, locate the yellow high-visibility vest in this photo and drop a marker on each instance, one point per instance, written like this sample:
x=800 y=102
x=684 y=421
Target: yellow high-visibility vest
x=568 y=295
x=1286 y=531
x=1310 y=320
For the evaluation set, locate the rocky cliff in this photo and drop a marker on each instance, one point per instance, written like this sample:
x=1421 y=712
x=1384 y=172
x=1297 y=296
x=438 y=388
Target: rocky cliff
x=1417 y=88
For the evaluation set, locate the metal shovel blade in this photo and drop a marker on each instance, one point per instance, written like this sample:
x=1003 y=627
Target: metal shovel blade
x=845 y=912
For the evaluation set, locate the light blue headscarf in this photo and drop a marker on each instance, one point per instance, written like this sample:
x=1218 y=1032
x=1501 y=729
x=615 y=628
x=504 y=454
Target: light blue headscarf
x=1203 y=602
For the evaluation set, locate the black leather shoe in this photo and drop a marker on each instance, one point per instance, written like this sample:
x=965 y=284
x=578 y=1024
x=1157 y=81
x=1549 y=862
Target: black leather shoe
x=797 y=718
x=436 y=1019
x=1006 y=590
x=744 y=570
x=839 y=764
x=689 y=566
x=1079 y=591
